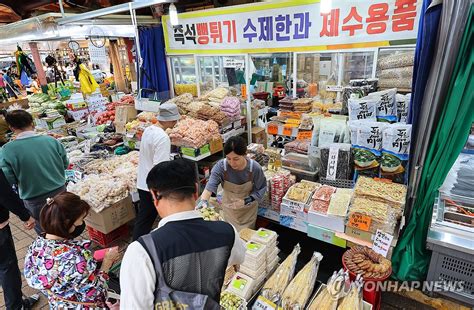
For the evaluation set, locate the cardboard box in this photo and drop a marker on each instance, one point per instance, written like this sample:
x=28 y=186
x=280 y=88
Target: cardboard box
x=125 y=113
x=366 y=235
x=325 y=235
x=269 y=214
x=293 y=223
x=289 y=211
x=216 y=145
x=120 y=127
x=50 y=122
x=331 y=222
x=78 y=114
x=112 y=217
x=259 y=136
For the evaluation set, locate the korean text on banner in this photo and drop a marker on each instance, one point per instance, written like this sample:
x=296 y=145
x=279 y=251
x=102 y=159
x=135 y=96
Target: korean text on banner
x=301 y=25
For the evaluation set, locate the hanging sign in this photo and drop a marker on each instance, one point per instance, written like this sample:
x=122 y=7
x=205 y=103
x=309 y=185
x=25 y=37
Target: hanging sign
x=300 y=25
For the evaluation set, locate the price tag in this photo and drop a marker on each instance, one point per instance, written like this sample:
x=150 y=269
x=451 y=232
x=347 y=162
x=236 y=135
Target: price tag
x=304 y=135
x=293 y=121
x=331 y=171
x=287 y=131
x=272 y=129
x=264 y=304
x=87 y=146
x=360 y=221
x=382 y=242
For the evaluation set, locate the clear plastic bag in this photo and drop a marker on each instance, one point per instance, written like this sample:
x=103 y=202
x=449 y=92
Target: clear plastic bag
x=275 y=286
x=299 y=290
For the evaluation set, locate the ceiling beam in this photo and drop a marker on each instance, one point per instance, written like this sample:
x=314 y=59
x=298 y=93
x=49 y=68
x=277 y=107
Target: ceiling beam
x=110 y=10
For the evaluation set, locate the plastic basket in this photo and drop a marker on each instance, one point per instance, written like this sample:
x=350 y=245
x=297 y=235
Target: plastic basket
x=338 y=183
x=105 y=240
x=453 y=266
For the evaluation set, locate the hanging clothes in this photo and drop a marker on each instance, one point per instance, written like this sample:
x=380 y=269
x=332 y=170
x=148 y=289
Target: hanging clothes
x=24 y=63
x=410 y=258
x=153 y=72
x=88 y=83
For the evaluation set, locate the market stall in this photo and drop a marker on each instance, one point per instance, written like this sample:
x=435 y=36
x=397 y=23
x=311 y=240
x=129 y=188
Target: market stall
x=337 y=143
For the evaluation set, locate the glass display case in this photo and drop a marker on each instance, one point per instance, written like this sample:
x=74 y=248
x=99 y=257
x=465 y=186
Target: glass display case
x=225 y=71
x=395 y=68
x=183 y=73
x=317 y=71
x=451 y=233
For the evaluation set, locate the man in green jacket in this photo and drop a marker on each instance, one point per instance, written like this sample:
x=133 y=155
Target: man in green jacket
x=34 y=162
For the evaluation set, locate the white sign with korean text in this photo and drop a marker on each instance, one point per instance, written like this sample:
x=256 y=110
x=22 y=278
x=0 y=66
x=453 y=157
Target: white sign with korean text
x=293 y=25
x=382 y=242
x=233 y=62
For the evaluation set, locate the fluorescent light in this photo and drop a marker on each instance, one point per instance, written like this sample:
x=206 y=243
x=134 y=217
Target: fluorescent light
x=325 y=6
x=173 y=15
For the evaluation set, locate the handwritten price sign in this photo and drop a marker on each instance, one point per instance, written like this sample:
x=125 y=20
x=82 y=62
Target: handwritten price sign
x=304 y=135
x=360 y=221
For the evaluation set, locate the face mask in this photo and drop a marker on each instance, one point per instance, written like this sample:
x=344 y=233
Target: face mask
x=78 y=230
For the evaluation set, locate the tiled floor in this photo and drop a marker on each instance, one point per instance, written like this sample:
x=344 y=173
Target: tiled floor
x=23 y=238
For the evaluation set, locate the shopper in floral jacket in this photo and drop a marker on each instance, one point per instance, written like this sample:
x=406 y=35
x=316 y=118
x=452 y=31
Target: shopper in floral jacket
x=63 y=268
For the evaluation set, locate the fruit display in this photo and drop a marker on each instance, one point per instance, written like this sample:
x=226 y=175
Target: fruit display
x=275 y=286
x=366 y=262
x=230 y=301
x=210 y=214
x=297 y=293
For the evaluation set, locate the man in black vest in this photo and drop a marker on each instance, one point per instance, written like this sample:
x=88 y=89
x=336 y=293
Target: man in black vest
x=185 y=253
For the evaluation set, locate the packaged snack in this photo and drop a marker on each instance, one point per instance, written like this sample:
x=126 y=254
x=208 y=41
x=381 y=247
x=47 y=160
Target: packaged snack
x=367 y=149
x=385 y=107
x=364 y=108
x=395 y=152
x=402 y=103
x=336 y=161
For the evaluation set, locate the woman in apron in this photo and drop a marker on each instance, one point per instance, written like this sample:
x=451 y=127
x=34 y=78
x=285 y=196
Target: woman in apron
x=243 y=184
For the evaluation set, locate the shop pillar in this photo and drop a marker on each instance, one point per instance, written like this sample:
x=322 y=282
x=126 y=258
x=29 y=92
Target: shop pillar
x=38 y=63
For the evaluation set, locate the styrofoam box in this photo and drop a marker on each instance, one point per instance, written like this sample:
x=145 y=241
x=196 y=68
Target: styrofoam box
x=255 y=250
x=241 y=285
x=332 y=222
x=289 y=211
x=294 y=223
x=264 y=236
x=251 y=272
x=296 y=205
x=271 y=265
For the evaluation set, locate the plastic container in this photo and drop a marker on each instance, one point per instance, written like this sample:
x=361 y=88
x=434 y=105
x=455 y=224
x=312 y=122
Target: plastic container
x=265 y=236
x=252 y=272
x=241 y=285
x=299 y=161
x=105 y=240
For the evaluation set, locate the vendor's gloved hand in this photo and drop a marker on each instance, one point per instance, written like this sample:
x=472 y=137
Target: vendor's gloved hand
x=202 y=204
x=248 y=200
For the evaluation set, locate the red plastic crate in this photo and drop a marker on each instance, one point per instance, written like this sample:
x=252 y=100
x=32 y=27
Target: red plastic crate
x=105 y=240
